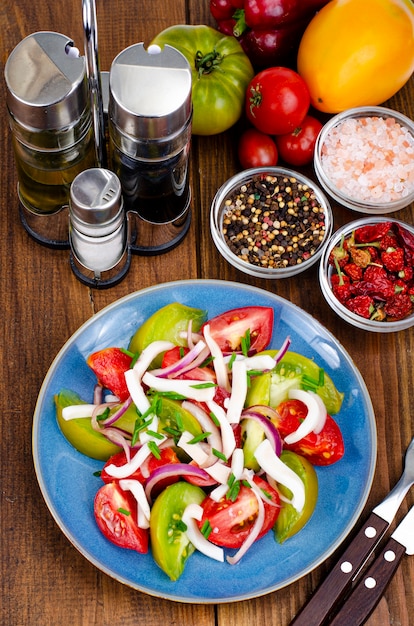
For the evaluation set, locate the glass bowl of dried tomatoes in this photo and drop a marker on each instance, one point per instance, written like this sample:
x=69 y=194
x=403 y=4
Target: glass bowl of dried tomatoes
x=270 y=222
x=364 y=159
x=366 y=274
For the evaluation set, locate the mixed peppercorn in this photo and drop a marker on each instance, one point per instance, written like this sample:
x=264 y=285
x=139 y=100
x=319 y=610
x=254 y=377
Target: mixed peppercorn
x=373 y=271
x=274 y=222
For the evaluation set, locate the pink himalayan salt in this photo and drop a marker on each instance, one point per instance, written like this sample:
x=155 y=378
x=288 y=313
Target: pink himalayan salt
x=370 y=159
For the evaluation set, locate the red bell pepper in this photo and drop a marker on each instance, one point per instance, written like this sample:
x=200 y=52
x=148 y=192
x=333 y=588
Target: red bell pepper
x=269 y=31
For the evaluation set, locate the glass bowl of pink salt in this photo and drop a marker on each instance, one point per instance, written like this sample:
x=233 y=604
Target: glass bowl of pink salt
x=364 y=159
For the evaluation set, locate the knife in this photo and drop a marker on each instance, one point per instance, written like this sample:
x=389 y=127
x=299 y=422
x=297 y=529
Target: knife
x=338 y=582
x=367 y=593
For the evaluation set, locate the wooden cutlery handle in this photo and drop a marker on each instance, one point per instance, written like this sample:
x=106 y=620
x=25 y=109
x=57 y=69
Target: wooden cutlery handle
x=333 y=589
x=367 y=593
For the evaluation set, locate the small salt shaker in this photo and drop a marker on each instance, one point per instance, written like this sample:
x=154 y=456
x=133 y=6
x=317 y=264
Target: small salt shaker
x=98 y=229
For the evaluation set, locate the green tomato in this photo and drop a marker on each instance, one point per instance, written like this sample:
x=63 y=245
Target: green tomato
x=221 y=72
x=169 y=542
x=289 y=521
x=166 y=324
x=294 y=371
x=173 y=421
x=80 y=433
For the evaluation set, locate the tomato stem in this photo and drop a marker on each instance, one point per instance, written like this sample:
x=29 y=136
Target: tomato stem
x=207 y=63
x=255 y=98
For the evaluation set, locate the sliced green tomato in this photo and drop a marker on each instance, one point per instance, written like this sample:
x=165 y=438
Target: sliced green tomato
x=79 y=432
x=252 y=434
x=290 y=521
x=166 y=324
x=173 y=416
x=294 y=371
x=170 y=545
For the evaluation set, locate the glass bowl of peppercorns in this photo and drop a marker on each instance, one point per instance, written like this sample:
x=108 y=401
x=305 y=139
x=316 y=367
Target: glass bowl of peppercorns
x=270 y=222
x=366 y=274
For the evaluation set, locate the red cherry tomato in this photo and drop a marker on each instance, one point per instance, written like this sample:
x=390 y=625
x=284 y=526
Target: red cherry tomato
x=297 y=147
x=116 y=515
x=229 y=329
x=256 y=149
x=323 y=449
x=277 y=100
x=232 y=521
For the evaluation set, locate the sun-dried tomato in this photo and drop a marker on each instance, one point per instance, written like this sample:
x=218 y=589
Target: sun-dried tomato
x=354 y=271
x=343 y=292
x=374 y=272
x=406 y=240
x=405 y=236
x=360 y=256
x=382 y=288
x=338 y=255
x=389 y=241
x=399 y=306
x=376 y=281
x=371 y=233
x=406 y=274
x=339 y=279
x=393 y=259
x=374 y=252
x=400 y=286
x=361 y=305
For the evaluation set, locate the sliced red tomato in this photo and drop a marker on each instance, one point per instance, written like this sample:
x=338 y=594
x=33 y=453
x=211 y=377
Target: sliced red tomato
x=231 y=522
x=148 y=466
x=116 y=515
x=110 y=365
x=229 y=329
x=197 y=373
x=323 y=449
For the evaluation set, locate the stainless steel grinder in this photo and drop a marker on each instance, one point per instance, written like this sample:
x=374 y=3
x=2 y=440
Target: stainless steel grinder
x=149 y=120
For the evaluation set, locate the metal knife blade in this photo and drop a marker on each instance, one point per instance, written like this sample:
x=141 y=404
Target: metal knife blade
x=367 y=593
x=339 y=580
x=404 y=533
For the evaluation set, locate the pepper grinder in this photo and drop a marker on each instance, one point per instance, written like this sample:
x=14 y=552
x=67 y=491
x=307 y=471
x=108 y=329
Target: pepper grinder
x=100 y=255
x=149 y=120
x=52 y=132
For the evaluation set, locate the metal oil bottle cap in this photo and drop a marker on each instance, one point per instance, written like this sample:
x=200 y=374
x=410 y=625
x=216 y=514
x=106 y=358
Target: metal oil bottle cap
x=150 y=92
x=96 y=207
x=47 y=87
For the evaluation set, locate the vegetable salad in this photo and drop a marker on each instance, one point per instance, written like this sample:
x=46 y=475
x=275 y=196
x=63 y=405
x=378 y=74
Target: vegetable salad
x=209 y=440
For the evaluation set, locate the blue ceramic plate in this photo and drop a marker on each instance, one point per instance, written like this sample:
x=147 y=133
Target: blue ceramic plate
x=67 y=479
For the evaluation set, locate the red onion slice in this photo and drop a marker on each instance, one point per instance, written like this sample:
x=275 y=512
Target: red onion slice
x=283 y=349
x=270 y=430
x=172 y=470
x=189 y=361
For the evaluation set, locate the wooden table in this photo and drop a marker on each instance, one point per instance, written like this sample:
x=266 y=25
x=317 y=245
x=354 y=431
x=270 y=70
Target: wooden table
x=44 y=580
